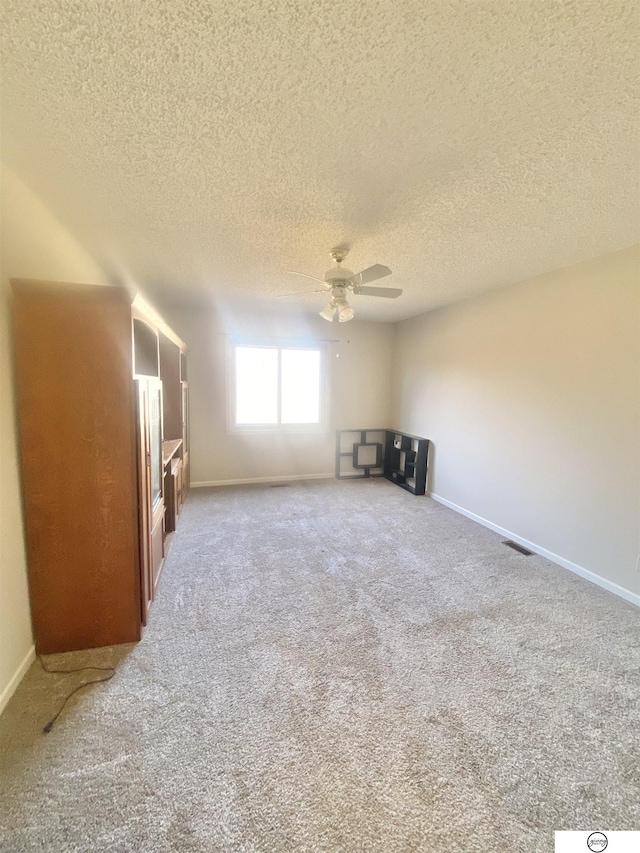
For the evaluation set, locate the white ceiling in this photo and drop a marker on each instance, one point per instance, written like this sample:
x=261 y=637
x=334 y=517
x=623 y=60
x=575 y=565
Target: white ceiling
x=209 y=146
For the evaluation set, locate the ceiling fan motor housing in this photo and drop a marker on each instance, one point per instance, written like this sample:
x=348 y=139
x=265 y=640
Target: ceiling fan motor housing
x=338 y=290
x=337 y=274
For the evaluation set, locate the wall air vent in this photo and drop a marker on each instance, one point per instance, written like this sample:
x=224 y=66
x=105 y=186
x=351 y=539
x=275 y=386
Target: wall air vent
x=519 y=548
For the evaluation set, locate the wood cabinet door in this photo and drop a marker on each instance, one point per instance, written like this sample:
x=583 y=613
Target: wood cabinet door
x=185 y=476
x=76 y=410
x=185 y=473
x=179 y=482
x=156 y=480
x=151 y=487
x=156 y=539
x=185 y=418
x=144 y=492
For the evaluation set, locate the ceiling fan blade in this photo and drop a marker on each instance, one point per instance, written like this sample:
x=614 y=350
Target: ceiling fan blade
x=371 y=274
x=388 y=292
x=315 y=278
x=299 y=293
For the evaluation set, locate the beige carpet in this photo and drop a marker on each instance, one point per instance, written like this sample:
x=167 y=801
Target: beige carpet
x=343 y=667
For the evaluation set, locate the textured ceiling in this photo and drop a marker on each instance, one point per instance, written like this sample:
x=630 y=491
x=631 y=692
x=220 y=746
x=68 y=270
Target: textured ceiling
x=201 y=146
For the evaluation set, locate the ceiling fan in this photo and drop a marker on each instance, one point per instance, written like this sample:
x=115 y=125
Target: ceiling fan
x=340 y=281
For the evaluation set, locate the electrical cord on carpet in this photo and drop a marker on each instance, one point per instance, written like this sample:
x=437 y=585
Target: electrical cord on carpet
x=109 y=669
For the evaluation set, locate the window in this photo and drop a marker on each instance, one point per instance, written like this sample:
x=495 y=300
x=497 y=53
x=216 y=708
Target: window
x=276 y=387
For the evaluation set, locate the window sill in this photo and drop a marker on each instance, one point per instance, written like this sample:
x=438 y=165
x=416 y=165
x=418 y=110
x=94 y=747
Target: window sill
x=275 y=429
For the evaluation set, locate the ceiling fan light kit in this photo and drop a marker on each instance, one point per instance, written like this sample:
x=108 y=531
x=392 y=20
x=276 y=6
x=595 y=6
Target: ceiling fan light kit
x=345 y=313
x=340 y=281
x=329 y=312
x=339 y=307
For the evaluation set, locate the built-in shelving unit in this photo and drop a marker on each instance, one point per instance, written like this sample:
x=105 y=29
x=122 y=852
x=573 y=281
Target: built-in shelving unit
x=98 y=380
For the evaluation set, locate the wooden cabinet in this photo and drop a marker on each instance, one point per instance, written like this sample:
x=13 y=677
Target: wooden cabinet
x=90 y=410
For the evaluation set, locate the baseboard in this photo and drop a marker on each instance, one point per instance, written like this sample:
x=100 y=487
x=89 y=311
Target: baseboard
x=17 y=677
x=286 y=478
x=632 y=597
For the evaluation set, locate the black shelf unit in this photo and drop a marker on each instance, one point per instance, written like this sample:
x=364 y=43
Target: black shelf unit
x=399 y=456
x=406 y=458
x=359 y=453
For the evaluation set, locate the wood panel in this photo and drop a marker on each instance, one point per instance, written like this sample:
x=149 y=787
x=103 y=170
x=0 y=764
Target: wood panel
x=179 y=491
x=157 y=549
x=76 y=419
x=146 y=359
x=185 y=438
x=185 y=477
x=169 y=501
x=171 y=389
x=144 y=489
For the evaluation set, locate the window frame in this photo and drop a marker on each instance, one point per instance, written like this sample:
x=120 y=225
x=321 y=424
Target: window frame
x=279 y=344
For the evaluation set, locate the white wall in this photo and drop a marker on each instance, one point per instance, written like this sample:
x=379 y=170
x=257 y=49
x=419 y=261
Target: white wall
x=531 y=395
x=360 y=368
x=34 y=245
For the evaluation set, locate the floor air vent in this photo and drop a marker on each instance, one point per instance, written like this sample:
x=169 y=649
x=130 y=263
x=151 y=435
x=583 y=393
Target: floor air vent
x=280 y=485
x=516 y=547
